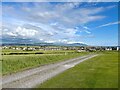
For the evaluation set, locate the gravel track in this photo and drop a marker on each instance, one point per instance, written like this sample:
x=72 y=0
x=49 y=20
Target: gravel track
x=33 y=77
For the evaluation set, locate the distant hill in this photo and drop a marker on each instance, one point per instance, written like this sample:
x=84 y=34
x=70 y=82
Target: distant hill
x=77 y=44
x=43 y=44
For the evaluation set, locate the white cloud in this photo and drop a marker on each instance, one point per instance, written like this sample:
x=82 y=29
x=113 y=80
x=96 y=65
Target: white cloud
x=87 y=31
x=11 y=34
x=109 y=24
x=20 y=31
x=50 y=22
x=71 y=42
x=46 y=12
x=60 y=0
x=50 y=41
x=109 y=7
x=25 y=32
x=86 y=28
x=54 y=24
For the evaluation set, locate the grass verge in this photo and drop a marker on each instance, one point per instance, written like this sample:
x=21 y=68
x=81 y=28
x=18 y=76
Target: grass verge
x=15 y=63
x=98 y=72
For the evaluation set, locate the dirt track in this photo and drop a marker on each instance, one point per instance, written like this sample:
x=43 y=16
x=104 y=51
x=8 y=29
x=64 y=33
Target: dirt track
x=31 y=78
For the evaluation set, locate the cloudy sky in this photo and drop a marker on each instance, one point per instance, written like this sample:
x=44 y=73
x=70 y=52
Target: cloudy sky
x=60 y=22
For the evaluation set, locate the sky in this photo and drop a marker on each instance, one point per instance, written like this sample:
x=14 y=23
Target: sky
x=91 y=23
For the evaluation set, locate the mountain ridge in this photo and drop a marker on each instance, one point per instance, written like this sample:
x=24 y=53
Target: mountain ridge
x=44 y=44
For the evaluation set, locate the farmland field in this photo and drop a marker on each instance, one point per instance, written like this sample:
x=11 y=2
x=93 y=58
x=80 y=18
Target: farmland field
x=98 y=72
x=15 y=63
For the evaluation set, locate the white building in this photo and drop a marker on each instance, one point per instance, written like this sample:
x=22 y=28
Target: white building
x=117 y=48
x=108 y=49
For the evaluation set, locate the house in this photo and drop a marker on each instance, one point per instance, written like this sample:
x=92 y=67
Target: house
x=118 y=48
x=81 y=50
x=25 y=48
x=108 y=48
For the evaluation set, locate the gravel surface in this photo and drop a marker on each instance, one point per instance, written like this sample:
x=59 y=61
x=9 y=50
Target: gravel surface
x=31 y=78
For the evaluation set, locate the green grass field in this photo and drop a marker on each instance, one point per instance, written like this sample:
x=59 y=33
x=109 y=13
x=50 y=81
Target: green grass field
x=7 y=51
x=15 y=63
x=98 y=72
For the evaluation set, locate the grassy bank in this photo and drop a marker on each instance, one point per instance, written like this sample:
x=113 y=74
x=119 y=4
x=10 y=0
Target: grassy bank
x=15 y=63
x=98 y=72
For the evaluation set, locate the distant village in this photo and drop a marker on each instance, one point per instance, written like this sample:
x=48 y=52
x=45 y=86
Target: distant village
x=78 y=48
